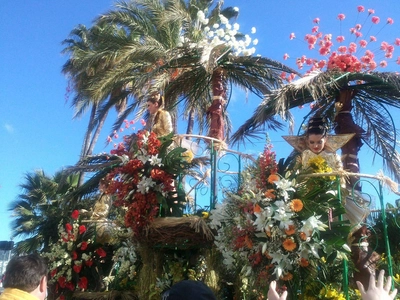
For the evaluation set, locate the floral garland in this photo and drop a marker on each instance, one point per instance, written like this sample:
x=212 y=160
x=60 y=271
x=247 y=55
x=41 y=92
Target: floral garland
x=146 y=176
x=278 y=228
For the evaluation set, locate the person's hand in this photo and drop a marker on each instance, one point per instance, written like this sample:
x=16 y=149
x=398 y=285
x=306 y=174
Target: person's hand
x=377 y=291
x=273 y=294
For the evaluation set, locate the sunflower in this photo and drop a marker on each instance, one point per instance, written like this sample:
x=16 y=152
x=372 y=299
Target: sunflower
x=296 y=205
x=289 y=245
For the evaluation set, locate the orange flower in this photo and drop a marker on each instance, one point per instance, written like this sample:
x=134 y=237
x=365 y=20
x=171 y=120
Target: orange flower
x=291 y=230
x=289 y=245
x=296 y=205
x=248 y=242
x=303 y=236
x=270 y=194
x=272 y=178
x=304 y=262
x=288 y=276
x=257 y=208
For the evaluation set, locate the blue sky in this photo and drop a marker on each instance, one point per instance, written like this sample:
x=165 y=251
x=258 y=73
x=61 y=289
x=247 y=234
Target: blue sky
x=36 y=120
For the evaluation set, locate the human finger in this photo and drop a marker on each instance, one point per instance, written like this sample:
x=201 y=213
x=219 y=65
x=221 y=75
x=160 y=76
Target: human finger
x=381 y=279
x=361 y=287
x=393 y=294
x=284 y=295
x=388 y=284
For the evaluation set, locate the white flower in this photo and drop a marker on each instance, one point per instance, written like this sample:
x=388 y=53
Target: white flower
x=311 y=224
x=236 y=26
x=285 y=186
x=223 y=19
x=253 y=30
x=154 y=160
x=255 y=42
x=216 y=26
x=145 y=184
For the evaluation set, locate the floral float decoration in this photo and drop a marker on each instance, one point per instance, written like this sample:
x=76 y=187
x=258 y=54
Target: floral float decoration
x=144 y=181
x=280 y=228
x=78 y=263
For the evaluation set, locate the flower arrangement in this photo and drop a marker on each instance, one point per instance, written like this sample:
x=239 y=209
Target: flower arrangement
x=359 y=55
x=78 y=263
x=144 y=181
x=277 y=228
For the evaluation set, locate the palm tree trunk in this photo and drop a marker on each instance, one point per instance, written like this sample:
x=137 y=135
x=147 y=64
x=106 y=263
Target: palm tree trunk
x=189 y=129
x=346 y=124
x=216 y=110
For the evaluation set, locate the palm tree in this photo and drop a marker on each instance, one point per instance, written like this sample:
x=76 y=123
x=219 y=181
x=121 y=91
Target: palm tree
x=38 y=210
x=357 y=102
x=170 y=52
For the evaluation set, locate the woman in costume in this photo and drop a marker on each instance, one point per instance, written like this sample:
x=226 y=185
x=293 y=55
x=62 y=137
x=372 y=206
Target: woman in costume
x=316 y=144
x=161 y=122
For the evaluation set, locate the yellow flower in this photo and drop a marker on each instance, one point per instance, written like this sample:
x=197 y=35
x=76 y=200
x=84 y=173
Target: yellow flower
x=205 y=215
x=397 y=278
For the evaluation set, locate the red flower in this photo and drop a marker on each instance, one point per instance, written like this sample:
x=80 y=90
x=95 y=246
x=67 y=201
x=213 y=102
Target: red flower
x=75 y=214
x=77 y=268
x=69 y=285
x=101 y=252
x=82 y=229
x=89 y=263
x=53 y=273
x=74 y=255
x=68 y=227
x=82 y=283
x=61 y=281
x=62 y=297
x=84 y=246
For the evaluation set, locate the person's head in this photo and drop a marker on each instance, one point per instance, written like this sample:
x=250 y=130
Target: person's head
x=154 y=103
x=27 y=273
x=189 y=290
x=316 y=135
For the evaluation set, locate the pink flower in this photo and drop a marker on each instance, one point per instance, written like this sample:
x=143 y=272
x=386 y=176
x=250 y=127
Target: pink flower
x=372 y=65
x=342 y=49
x=341 y=17
x=384 y=46
x=352 y=30
x=358 y=26
x=143 y=122
x=371 y=11
x=383 y=63
x=375 y=19
x=340 y=39
x=398 y=60
x=363 y=43
x=283 y=75
x=291 y=77
x=390 y=48
x=358 y=34
x=321 y=64
x=316 y=21
x=397 y=42
x=323 y=51
x=314 y=29
x=360 y=8
x=116 y=136
x=109 y=139
x=285 y=56
x=388 y=54
x=372 y=38
x=390 y=21
x=75 y=214
x=370 y=54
